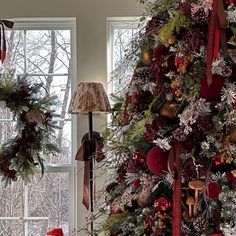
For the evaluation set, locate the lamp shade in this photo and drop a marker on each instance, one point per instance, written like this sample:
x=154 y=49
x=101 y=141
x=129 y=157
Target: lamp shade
x=89 y=97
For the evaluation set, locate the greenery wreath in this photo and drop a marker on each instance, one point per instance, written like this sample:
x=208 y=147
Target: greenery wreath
x=31 y=106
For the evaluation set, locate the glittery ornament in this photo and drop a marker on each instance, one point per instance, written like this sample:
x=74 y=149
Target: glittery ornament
x=157 y=160
x=163 y=204
x=200 y=224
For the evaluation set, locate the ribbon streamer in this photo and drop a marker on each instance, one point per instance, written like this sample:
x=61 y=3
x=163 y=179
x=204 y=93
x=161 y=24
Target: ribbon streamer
x=174 y=166
x=216 y=34
x=88 y=149
x=3 y=44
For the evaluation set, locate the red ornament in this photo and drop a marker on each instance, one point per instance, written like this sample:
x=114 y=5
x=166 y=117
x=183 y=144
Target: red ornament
x=157 y=160
x=229 y=176
x=217 y=161
x=213 y=91
x=229 y=2
x=159 y=51
x=137 y=183
x=217 y=234
x=212 y=190
x=163 y=204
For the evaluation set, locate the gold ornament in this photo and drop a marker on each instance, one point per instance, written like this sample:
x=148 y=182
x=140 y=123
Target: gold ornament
x=172 y=40
x=169 y=110
x=147 y=57
x=144 y=200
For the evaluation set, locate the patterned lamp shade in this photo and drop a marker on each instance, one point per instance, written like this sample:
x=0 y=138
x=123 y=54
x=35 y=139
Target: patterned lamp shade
x=89 y=97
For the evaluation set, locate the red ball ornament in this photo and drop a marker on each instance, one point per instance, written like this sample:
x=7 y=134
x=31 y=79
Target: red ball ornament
x=229 y=176
x=159 y=51
x=217 y=161
x=163 y=204
x=157 y=160
x=217 y=234
x=213 y=91
x=212 y=191
x=137 y=183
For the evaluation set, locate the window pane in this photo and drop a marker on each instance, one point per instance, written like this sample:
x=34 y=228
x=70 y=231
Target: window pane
x=59 y=86
x=11 y=200
x=49 y=196
x=41 y=227
x=63 y=141
x=48 y=51
x=15 y=51
x=11 y=228
x=121 y=42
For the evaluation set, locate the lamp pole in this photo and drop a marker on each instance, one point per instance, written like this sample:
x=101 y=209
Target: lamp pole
x=90 y=117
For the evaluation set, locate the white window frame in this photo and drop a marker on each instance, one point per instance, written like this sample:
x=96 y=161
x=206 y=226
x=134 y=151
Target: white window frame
x=58 y=23
x=112 y=24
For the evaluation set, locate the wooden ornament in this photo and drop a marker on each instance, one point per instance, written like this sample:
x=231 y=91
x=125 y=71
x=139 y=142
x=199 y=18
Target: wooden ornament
x=190 y=203
x=169 y=110
x=196 y=185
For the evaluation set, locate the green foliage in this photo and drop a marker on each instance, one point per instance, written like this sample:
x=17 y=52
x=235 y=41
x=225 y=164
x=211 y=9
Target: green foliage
x=174 y=24
x=114 y=221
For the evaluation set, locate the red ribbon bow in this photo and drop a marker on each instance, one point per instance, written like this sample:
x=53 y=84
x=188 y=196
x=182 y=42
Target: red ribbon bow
x=3 y=44
x=88 y=150
x=216 y=34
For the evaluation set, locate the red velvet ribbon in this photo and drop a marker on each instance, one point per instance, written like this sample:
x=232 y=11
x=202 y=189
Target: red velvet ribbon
x=174 y=165
x=3 y=44
x=88 y=149
x=216 y=33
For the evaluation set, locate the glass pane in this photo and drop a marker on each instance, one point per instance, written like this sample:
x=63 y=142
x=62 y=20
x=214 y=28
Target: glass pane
x=121 y=42
x=49 y=196
x=59 y=86
x=11 y=228
x=48 y=51
x=41 y=227
x=15 y=52
x=11 y=200
x=63 y=140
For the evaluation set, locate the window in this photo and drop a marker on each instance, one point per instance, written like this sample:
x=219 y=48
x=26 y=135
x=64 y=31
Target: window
x=42 y=48
x=121 y=31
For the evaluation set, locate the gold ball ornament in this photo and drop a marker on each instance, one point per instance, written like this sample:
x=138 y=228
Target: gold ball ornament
x=144 y=200
x=169 y=110
x=147 y=57
x=172 y=40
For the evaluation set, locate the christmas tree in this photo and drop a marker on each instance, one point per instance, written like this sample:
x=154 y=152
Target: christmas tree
x=173 y=139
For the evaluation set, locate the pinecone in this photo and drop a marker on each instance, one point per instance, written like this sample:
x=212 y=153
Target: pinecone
x=179 y=135
x=200 y=16
x=200 y=224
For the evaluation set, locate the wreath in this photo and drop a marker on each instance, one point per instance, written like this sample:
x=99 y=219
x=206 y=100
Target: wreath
x=31 y=106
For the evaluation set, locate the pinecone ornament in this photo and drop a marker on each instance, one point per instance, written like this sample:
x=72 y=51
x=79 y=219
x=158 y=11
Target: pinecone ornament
x=111 y=187
x=200 y=224
x=200 y=16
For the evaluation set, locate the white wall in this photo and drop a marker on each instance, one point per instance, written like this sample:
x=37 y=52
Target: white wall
x=91 y=42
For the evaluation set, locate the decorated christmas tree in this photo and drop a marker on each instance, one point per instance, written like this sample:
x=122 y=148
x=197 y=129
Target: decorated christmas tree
x=173 y=135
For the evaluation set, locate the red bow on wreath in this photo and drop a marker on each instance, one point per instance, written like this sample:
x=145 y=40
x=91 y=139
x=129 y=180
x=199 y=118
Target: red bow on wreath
x=3 y=44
